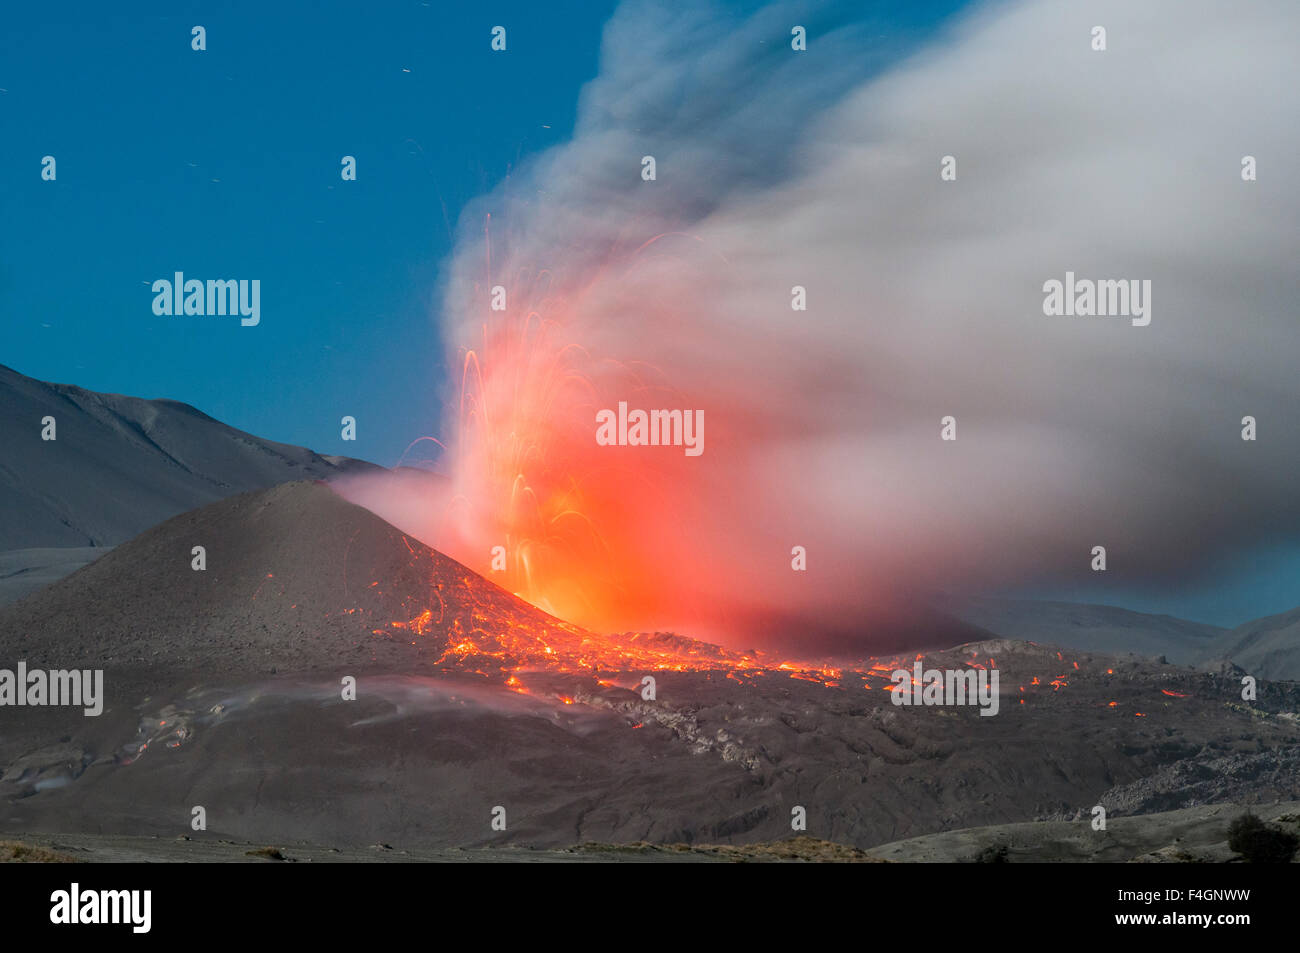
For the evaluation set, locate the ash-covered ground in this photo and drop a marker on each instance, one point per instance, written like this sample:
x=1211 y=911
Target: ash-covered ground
x=224 y=691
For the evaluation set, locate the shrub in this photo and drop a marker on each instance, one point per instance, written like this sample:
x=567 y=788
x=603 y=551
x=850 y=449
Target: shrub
x=1261 y=843
x=993 y=854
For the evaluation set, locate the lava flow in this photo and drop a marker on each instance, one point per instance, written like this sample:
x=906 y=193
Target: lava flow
x=513 y=646
x=479 y=629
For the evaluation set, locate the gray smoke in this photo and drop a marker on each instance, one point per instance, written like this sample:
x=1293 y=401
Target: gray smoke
x=925 y=297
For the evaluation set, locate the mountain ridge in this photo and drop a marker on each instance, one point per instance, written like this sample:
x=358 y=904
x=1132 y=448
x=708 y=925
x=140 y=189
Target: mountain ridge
x=119 y=465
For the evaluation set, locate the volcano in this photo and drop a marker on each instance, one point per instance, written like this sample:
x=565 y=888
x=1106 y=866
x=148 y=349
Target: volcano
x=226 y=689
x=295 y=579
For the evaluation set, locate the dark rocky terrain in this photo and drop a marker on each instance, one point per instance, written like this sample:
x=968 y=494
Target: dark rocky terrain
x=1194 y=835
x=223 y=691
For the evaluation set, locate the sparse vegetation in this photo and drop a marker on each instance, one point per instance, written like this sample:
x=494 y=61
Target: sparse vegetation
x=992 y=854
x=1259 y=842
x=270 y=853
x=14 y=852
x=797 y=849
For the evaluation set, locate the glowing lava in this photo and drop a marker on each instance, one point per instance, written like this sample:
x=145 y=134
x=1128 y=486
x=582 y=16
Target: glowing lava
x=589 y=533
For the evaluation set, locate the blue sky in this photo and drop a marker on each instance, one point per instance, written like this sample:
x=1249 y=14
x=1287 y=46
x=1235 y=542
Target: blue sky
x=225 y=164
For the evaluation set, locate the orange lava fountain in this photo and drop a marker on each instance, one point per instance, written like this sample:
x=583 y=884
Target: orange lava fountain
x=585 y=532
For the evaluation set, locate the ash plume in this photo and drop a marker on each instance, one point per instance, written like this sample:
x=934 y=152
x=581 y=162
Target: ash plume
x=778 y=168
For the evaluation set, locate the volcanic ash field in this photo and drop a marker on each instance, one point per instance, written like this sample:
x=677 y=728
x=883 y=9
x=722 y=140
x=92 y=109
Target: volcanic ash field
x=225 y=689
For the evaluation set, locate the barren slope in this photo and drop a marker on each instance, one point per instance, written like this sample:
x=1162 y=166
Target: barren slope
x=297 y=580
x=121 y=464
x=223 y=691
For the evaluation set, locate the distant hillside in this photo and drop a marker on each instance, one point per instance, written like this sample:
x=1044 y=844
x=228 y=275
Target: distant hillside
x=23 y=571
x=1268 y=647
x=120 y=464
x=1094 y=628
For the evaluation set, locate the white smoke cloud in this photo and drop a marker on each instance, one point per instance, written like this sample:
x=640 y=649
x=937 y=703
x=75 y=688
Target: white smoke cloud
x=778 y=168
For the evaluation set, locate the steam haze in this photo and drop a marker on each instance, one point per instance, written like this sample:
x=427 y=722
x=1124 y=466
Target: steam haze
x=925 y=299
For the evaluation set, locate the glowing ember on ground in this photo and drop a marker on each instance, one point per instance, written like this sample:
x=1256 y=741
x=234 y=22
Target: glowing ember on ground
x=521 y=646
x=464 y=625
